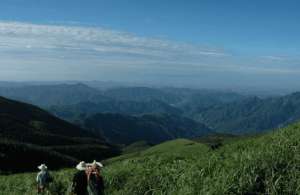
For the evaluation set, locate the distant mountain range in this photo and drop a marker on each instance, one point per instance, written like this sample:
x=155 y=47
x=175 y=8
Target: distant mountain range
x=102 y=121
x=77 y=111
x=124 y=129
x=221 y=111
x=48 y=95
x=251 y=115
x=70 y=94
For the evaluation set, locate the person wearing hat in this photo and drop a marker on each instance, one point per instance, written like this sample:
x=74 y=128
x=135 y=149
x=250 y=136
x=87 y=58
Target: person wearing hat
x=95 y=180
x=79 y=185
x=43 y=178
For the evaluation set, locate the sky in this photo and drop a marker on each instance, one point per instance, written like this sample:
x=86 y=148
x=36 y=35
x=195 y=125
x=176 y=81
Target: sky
x=205 y=43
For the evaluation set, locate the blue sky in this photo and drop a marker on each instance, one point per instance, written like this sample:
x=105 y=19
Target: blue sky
x=235 y=41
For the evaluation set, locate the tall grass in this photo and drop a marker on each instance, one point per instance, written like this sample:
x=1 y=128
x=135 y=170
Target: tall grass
x=268 y=164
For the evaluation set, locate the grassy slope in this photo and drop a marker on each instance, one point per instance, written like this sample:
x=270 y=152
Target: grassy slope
x=136 y=147
x=263 y=165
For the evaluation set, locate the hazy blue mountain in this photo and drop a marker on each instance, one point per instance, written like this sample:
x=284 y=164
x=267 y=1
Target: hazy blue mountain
x=142 y=94
x=48 y=95
x=221 y=110
x=73 y=112
x=144 y=100
x=252 y=115
x=124 y=129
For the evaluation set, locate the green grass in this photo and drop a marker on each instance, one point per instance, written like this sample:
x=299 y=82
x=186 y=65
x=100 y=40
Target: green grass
x=268 y=164
x=136 y=147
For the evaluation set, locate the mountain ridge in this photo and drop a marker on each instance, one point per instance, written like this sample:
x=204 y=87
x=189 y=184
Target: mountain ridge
x=32 y=135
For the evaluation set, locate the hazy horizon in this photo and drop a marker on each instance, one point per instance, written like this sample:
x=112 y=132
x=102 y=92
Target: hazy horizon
x=261 y=91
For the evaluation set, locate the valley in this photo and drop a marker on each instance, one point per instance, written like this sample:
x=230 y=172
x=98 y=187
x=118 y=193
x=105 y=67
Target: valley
x=157 y=141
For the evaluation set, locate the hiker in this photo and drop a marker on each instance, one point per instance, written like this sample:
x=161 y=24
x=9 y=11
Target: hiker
x=43 y=178
x=79 y=185
x=95 y=180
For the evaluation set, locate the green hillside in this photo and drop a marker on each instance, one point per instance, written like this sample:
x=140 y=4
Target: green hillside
x=267 y=164
x=31 y=135
x=136 y=147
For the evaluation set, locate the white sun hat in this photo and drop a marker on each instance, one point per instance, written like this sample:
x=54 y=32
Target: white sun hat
x=42 y=167
x=98 y=164
x=81 y=166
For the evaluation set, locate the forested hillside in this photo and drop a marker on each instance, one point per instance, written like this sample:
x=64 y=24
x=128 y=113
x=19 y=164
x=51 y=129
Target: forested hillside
x=252 y=115
x=76 y=111
x=31 y=135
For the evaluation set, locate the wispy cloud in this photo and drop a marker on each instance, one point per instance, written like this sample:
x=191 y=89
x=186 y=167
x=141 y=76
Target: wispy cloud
x=73 y=52
x=18 y=36
x=273 y=58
